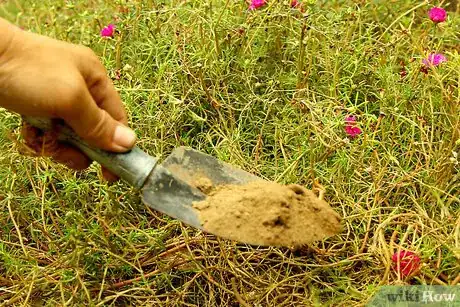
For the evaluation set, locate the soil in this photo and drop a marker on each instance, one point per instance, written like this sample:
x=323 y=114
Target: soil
x=266 y=213
x=204 y=185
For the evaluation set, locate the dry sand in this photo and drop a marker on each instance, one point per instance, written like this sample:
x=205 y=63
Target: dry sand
x=266 y=213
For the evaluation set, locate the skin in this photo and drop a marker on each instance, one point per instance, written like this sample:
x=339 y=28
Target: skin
x=44 y=77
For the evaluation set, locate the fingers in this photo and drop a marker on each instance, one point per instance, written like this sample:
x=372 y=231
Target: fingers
x=101 y=124
x=100 y=86
x=76 y=160
x=97 y=113
x=103 y=93
x=46 y=144
x=95 y=125
x=107 y=98
x=108 y=175
x=71 y=157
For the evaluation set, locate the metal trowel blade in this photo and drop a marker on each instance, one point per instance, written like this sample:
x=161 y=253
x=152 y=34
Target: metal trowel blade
x=171 y=186
x=190 y=165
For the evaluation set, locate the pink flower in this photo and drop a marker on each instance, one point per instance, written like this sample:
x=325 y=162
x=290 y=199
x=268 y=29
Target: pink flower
x=405 y=262
x=255 y=4
x=352 y=131
x=437 y=14
x=434 y=59
x=108 y=31
x=403 y=73
x=118 y=74
x=296 y=4
x=350 y=126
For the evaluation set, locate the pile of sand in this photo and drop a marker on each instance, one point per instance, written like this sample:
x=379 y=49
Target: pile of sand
x=266 y=213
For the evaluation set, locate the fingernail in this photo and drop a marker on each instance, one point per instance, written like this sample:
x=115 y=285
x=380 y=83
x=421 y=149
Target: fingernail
x=124 y=137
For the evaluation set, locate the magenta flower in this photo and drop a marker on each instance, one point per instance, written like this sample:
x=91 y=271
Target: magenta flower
x=437 y=14
x=296 y=4
x=118 y=74
x=255 y=4
x=434 y=59
x=405 y=262
x=351 y=127
x=108 y=31
x=352 y=131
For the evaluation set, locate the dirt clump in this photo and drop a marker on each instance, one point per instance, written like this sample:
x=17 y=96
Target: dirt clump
x=267 y=213
x=203 y=184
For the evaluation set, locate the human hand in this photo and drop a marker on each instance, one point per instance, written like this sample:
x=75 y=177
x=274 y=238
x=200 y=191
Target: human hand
x=43 y=77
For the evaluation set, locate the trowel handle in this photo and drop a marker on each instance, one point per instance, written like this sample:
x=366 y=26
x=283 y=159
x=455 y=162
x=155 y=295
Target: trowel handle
x=133 y=166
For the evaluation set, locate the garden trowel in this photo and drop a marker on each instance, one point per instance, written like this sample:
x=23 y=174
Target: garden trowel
x=166 y=186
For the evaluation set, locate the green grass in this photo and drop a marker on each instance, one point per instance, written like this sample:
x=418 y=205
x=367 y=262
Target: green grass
x=267 y=91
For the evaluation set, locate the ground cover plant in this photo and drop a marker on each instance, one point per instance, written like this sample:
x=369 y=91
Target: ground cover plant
x=358 y=99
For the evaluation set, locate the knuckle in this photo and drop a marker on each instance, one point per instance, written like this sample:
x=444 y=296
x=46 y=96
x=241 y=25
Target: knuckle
x=90 y=56
x=91 y=59
x=86 y=52
x=97 y=132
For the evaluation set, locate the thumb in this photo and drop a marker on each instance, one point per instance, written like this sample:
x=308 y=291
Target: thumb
x=96 y=126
